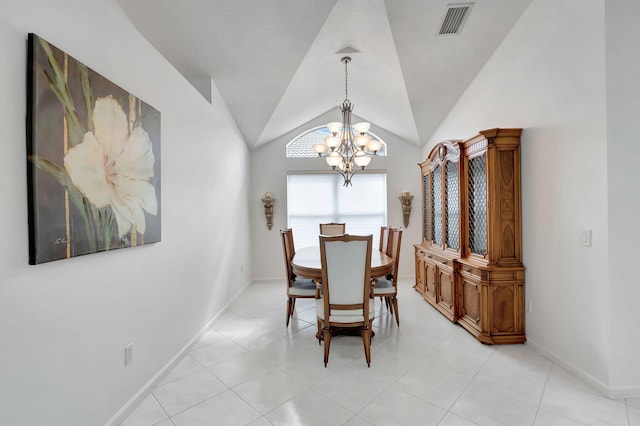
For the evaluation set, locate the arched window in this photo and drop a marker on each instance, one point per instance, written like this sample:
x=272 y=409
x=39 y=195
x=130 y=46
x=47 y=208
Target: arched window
x=302 y=145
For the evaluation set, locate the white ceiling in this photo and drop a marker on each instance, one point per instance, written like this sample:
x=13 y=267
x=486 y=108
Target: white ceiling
x=275 y=61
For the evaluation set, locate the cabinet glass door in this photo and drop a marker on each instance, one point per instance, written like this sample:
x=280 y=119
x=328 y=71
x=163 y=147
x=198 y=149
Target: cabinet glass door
x=436 y=205
x=426 y=207
x=453 y=199
x=478 y=205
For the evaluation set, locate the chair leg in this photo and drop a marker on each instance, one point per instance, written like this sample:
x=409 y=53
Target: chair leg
x=289 y=310
x=327 y=343
x=366 y=340
x=394 y=300
x=389 y=305
x=319 y=333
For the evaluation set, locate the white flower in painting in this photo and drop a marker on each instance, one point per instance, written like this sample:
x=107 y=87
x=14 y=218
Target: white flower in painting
x=113 y=167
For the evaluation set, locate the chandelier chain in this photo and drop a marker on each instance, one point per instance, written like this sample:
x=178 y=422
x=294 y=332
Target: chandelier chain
x=346 y=79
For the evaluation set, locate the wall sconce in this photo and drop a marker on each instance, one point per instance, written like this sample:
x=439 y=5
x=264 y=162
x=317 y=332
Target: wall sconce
x=406 y=198
x=268 y=201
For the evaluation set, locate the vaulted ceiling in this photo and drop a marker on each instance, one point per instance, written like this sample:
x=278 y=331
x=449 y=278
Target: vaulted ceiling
x=276 y=65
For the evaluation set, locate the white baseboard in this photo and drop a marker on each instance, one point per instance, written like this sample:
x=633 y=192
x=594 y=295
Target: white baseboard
x=139 y=396
x=616 y=392
x=282 y=280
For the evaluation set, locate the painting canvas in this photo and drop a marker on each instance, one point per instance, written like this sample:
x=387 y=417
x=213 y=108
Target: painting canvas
x=93 y=160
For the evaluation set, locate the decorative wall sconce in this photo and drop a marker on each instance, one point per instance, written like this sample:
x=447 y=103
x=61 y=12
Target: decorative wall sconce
x=268 y=201
x=406 y=198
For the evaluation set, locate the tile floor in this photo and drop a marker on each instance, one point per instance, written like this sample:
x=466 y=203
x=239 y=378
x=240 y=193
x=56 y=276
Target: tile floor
x=248 y=369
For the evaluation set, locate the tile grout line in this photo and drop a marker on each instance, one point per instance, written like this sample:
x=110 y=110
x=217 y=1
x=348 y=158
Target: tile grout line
x=546 y=383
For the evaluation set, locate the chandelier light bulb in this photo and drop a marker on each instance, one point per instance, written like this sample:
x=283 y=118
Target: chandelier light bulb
x=362 y=140
x=319 y=148
x=362 y=127
x=334 y=127
x=334 y=159
x=374 y=145
x=332 y=141
x=362 y=159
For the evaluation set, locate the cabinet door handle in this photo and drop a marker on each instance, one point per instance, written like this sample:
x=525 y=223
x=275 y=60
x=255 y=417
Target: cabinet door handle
x=468 y=270
x=430 y=257
x=446 y=262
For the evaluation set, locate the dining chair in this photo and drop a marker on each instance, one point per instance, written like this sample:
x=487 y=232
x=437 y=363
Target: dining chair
x=384 y=238
x=387 y=287
x=332 y=228
x=346 y=288
x=297 y=287
x=384 y=241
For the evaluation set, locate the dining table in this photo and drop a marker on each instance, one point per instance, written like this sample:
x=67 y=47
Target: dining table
x=306 y=263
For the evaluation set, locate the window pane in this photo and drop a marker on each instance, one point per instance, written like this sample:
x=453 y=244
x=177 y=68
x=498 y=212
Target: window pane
x=320 y=198
x=313 y=194
x=363 y=196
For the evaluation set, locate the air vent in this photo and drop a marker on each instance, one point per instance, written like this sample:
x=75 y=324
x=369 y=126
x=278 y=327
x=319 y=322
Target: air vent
x=455 y=18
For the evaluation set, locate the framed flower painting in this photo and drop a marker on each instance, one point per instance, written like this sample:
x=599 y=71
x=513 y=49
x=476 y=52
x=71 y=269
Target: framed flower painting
x=93 y=166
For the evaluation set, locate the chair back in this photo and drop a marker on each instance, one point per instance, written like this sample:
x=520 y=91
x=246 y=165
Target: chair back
x=289 y=251
x=346 y=275
x=393 y=250
x=332 y=228
x=384 y=238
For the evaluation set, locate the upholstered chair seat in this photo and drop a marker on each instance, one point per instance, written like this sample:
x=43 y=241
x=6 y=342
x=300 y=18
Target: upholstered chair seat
x=384 y=286
x=303 y=287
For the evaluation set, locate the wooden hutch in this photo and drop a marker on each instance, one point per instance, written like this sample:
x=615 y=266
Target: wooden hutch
x=469 y=264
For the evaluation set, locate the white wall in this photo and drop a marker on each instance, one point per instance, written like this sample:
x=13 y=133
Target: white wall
x=623 y=157
x=269 y=173
x=64 y=324
x=548 y=77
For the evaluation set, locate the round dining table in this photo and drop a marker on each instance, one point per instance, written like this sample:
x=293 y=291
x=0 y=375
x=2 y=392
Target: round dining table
x=306 y=263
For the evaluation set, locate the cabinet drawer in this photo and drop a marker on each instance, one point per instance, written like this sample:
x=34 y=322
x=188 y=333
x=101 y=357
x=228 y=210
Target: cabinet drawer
x=432 y=258
x=470 y=271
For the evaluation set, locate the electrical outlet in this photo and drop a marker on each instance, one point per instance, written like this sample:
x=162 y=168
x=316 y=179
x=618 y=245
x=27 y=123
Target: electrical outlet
x=128 y=354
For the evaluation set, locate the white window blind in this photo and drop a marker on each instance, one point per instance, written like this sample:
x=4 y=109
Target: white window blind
x=320 y=198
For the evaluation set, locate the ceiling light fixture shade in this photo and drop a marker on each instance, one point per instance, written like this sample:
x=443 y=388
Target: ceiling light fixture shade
x=347 y=153
x=362 y=127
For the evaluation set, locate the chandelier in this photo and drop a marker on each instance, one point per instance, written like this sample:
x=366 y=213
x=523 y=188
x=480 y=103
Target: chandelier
x=349 y=148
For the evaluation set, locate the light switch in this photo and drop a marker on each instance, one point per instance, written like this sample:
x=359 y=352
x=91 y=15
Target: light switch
x=585 y=237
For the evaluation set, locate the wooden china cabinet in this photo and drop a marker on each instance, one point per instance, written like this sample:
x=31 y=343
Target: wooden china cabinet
x=442 y=201
x=469 y=264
